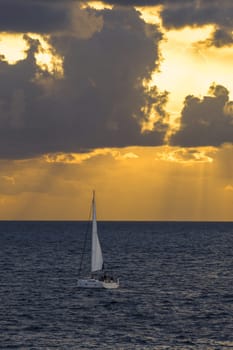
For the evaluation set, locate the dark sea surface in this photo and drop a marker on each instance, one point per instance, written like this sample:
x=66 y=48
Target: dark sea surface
x=176 y=287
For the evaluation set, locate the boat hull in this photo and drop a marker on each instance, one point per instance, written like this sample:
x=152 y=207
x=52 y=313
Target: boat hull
x=94 y=283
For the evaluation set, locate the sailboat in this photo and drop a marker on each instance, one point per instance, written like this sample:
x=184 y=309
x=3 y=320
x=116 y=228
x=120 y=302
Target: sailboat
x=99 y=277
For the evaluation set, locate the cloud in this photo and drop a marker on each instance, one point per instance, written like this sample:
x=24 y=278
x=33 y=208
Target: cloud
x=33 y=16
x=147 y=3
x=98 y=102
x=83 y=22
x=176 y=14
x=128 y=155
x=78 y=158
x=220 y=37
x=46 y=17
x=207 y=121
x=187 y=156
x=191 y=13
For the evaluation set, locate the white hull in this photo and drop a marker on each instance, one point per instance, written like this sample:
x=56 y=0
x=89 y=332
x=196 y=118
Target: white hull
x=93 y=283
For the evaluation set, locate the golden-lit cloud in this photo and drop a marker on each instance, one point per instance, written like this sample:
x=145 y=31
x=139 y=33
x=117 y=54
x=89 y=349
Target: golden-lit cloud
x=125 y=156
x=78 y=158
x=98 y=5
x=75 y=158
x=187 y=156
x=46 y=57
x=14 y=48
x=150 y=14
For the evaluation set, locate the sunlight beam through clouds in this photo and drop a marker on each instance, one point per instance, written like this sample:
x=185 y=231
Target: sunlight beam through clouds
x=94 y=99
x=188 y=67
x=163 y=188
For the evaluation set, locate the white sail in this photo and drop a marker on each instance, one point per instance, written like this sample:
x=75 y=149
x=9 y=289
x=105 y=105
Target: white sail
x=96 y=253
x=104 y=280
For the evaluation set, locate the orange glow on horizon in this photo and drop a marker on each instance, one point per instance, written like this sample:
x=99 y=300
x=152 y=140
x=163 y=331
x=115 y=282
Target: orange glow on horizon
x=135 y=183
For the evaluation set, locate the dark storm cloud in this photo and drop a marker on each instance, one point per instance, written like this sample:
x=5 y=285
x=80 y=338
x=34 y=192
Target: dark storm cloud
x=207 y=121
x=50 y=15
x=198 y=13
x=46 y=16
x=146 y=2
x=33 y=16
x=202 y=12
x=177 y=14
x=220 y=37
x=99 y=101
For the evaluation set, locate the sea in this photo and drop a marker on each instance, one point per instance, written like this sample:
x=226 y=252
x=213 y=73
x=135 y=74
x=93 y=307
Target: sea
x=176 y=286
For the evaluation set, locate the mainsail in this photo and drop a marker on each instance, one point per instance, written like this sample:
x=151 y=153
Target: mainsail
x=102 y=279
x=96 y=253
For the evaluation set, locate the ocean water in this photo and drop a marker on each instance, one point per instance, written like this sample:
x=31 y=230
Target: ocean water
x=176 y=287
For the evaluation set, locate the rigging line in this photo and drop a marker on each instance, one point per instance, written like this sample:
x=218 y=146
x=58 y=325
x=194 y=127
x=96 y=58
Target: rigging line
x=85 y=242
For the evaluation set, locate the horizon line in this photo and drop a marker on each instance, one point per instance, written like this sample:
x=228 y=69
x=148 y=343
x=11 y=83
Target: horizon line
x=155 y=221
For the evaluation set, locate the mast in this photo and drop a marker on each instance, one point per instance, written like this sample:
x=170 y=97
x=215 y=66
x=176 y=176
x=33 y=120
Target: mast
x=96 y=253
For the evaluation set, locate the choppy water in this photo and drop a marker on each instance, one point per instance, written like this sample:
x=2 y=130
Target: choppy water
x=176 y=287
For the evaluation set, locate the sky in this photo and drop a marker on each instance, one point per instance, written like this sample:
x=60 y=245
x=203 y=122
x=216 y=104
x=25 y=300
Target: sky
x=131 y=98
